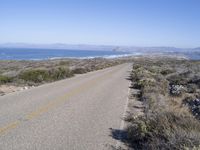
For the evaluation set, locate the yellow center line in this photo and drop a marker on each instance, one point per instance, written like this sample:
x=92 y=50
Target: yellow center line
x=9 y=127
x=63 y=98
x=56 y=102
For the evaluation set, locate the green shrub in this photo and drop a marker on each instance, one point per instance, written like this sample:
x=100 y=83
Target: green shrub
x=35 y=75
x=64 y=63
x=4 y=79
x=39 y=75
x=144 y=83
x=60 y=73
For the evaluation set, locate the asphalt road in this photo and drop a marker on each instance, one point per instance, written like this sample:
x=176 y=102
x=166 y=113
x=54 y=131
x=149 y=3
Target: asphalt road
x=72 y=114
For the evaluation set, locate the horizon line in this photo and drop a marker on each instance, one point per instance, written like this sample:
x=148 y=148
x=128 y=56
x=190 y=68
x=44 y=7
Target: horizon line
x=85 y=44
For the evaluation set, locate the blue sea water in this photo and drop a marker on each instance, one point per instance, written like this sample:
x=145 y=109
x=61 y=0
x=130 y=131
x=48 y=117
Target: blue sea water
x=41 y=54
x=193 y=55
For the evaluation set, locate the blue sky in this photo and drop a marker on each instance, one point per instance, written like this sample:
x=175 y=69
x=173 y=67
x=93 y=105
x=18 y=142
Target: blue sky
x=108 y=22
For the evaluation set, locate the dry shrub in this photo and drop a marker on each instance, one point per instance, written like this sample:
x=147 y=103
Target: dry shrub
x=167 y=123
x=164 y=130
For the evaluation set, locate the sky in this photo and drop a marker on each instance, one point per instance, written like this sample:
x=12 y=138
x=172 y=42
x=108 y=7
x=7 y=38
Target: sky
x=101 y=22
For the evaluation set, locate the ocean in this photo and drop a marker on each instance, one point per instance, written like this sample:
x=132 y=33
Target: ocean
x=42 y=54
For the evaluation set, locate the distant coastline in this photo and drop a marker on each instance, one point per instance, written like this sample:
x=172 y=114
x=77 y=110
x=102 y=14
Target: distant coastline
x=49 y=54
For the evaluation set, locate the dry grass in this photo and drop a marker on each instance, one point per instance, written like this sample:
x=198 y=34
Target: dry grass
x=167 y=122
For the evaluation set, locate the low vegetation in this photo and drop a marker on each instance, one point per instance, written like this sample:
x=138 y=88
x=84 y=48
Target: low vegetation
x=39 y=75
x=5 y=79
x=170 y=92
x=33 y=73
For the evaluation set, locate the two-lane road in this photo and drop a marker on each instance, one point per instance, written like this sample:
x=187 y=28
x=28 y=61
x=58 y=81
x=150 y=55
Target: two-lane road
x=72 y=114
